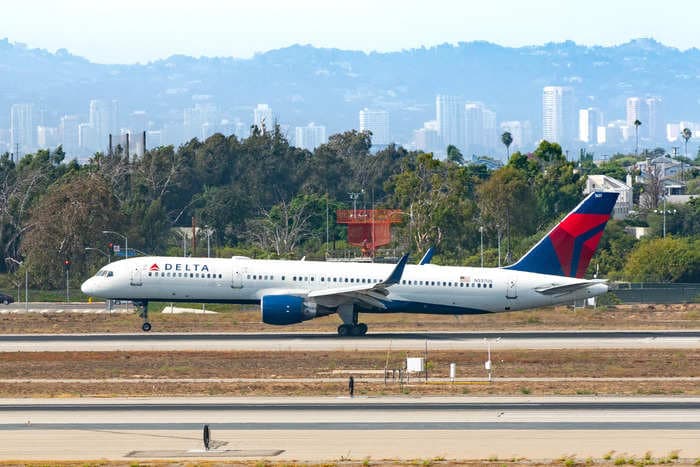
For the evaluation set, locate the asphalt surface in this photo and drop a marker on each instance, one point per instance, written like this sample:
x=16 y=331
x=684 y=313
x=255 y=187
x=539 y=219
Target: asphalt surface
x=333 y=428
x=679 y=339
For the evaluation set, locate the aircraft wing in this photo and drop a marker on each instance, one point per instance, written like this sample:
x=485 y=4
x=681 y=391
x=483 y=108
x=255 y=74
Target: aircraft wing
x=371 y=294
x=567 y=288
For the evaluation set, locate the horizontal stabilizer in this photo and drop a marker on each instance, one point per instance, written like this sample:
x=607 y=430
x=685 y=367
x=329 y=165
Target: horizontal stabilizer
x=567 y=288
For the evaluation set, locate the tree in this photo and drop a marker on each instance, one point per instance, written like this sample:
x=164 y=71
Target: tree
x=70 y=217
x=505 y=201
x=454 y=155
x=283 y=227
x=667 y=259
x=637 y=124
x=686 y=134
x=507 y=140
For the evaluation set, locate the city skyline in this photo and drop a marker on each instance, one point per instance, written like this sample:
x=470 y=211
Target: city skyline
x=470 y=126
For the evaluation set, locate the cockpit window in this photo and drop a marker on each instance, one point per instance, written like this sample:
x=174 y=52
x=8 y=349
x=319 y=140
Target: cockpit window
x=105 y=273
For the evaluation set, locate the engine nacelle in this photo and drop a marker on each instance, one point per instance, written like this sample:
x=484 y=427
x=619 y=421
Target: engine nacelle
x=286 y=309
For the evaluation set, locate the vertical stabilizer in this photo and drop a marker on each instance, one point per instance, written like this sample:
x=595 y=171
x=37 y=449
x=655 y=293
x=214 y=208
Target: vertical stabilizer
x=567 y=249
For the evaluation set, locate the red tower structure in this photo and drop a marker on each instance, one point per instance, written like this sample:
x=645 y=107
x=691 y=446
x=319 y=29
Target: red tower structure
x=368 y=229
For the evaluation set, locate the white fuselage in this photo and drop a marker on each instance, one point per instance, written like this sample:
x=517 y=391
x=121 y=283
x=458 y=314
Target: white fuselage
x=421 y=289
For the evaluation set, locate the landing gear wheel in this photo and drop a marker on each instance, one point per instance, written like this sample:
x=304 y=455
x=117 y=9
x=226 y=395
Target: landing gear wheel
x=344 y=330
x=146 y=326
x=362 y=328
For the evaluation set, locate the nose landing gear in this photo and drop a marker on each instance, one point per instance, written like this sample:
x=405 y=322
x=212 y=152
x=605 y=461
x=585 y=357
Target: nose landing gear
x=142 y=310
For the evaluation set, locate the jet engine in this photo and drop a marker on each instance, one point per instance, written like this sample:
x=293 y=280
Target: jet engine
x=287 y=309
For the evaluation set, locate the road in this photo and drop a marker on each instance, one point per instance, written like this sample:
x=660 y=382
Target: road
x=324 y=341
x=318 y=429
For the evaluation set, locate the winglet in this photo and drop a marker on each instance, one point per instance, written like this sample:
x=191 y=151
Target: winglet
x=396 y=274
x=427 y=256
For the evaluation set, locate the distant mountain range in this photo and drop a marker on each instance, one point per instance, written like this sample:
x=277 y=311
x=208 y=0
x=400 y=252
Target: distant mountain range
x=330 y=86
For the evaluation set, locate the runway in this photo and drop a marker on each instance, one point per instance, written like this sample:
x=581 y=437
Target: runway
x=317 y=429
x=285 y=342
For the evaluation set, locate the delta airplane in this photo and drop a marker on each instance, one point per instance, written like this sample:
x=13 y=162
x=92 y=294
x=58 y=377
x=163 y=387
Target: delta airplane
x=290 y=292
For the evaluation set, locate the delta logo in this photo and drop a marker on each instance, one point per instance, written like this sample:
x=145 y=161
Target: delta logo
x=180 y=267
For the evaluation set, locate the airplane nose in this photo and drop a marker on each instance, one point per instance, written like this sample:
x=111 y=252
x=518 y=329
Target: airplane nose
x=88 y=287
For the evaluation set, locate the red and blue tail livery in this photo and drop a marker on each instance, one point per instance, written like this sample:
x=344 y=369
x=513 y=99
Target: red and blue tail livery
x=567 y=249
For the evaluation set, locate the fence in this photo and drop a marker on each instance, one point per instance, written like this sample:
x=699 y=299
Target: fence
x=633 y=292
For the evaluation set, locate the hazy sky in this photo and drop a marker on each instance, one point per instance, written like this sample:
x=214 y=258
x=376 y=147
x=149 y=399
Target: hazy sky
x=128 y=31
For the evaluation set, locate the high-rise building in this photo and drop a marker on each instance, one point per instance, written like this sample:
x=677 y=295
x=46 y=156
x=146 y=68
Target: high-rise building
x=46 y=137
x=520 y=131
x=473 y=126
x=449 y=113
x=634 y=110
x=428 y=138
x=376 y=121
x=654 y=125
x=558 y=118
x=69 y=134
x=194 y=118
x=490 y=138
x=21 y=129
x=86 y=138
x=104 y=120
x=263 y=117
x=310 y=137
x=588 y=122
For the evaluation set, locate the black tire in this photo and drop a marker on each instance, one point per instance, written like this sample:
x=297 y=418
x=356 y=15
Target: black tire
x=145 y=327
x=363 y=329
x=344 y=330
x=5 y=302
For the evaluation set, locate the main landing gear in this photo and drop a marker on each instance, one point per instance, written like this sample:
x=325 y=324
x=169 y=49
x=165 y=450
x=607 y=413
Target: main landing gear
x=352 y=329
x=142 y=307
x=350 y=326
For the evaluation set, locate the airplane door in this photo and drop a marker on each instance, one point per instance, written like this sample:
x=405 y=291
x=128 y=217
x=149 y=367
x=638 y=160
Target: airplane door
x=237 y=280
x=511 y=293
x=136 y=277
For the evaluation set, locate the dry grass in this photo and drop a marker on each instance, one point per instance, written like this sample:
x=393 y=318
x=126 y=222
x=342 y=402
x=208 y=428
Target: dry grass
x=247 y=319
x=319 y=367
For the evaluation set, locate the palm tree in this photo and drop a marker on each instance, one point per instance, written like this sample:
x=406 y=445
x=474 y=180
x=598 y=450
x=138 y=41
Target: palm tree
x=637 y=124
x=686 y=134
x=507 y=139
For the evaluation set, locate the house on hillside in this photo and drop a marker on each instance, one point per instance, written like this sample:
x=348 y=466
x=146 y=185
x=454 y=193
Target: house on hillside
x=623 y=206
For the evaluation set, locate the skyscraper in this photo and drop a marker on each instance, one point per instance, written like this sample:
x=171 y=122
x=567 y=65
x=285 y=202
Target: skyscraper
x=558 y=119
x=262 y=116
x=474 y=127
x=449 y=113
x=588 y=122
x=634 y=110
x=101 y=124
x=520 y=131
x=69 y=135
x=310 y=137
x=376 y=121
x=654 y=125
x=21 y=129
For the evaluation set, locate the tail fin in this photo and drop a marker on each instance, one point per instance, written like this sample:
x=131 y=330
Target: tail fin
x=567 y=249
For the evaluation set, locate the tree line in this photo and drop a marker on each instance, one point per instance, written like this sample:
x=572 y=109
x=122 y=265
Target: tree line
x=263 y=197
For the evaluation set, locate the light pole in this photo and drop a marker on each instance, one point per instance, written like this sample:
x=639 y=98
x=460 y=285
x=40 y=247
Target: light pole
x=209 y=232
x=109 y=257
x=184 y=242
x=26 y=282
x=126 y=241
x=498 y=228
x=481 y=231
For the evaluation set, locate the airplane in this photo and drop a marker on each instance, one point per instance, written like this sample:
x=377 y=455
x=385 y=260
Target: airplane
x=290 y=292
